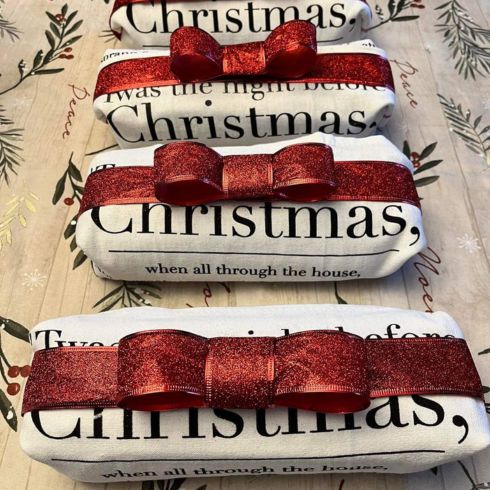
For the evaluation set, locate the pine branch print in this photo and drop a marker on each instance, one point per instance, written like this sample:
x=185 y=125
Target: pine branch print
x=10 y=157
x=108 y=36
x=7 y=28
x=4 y=120
x=395 y=12
x=474 y=134
x=127 y=295
x=468 y=41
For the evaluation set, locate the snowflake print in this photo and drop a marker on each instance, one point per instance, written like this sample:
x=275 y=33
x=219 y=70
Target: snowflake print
x=469 y=243
x=33 y=280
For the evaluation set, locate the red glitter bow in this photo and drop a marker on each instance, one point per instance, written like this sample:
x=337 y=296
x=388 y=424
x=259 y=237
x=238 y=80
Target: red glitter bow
x=288 y=52
x=191 y=173
x=321 y=370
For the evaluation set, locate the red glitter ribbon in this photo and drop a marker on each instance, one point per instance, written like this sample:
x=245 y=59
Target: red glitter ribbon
x=288 y=52
x=190 y=173
x=325 y=371
x=356 y=68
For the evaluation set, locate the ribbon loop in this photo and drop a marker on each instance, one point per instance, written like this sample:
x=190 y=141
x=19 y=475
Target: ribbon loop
x=288 y=52
x=156 y=371
x=195 y=55
x=290 y=49
x=304 y=173
x=325 y=371
x=191 y=173
x=187 y=173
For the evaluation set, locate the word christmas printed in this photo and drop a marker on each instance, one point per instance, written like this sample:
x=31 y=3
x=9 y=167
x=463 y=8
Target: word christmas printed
x=349 y=91
x=367 y=221
x=441 y=419
x=148 y=24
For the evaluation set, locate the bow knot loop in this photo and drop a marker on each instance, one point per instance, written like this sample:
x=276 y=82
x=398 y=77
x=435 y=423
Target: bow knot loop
x=304 y=172
x=195 y=54
x=288 y=52
x=190 y=173
x=187 y=173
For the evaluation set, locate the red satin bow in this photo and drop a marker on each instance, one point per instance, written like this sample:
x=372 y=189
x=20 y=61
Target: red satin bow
x=288 y=52
x=191 y=173
x=321 y=370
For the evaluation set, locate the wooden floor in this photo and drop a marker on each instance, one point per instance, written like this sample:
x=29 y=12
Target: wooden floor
x=46 y=121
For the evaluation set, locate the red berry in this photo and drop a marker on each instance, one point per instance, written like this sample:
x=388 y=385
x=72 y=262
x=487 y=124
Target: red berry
x=13 y=371
x=69 y=56
x=13 y=389
x=68 y=201
x=62 y=56
x=68 y=50
x=25 y=371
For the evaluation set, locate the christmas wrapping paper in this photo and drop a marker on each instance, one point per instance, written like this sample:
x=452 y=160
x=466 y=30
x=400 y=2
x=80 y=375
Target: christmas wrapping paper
x=241 y=111
x=394 y=435
x=148 y=24
x=253 y=240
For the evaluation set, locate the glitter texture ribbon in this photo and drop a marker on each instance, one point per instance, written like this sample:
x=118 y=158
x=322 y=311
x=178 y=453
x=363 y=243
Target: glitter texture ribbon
x=288 y=52
x=367 y=69
x=190 y=173
x=325 y=371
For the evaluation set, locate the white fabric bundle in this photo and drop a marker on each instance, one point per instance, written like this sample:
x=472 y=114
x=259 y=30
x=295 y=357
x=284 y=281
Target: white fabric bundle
x=239 y=112
x=252 y=240
x=148 y=24
x=395 y=435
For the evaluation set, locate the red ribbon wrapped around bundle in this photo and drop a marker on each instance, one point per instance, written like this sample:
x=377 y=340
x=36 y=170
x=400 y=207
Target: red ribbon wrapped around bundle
x=190 y=173
x=288 y=52
x=321 y=370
